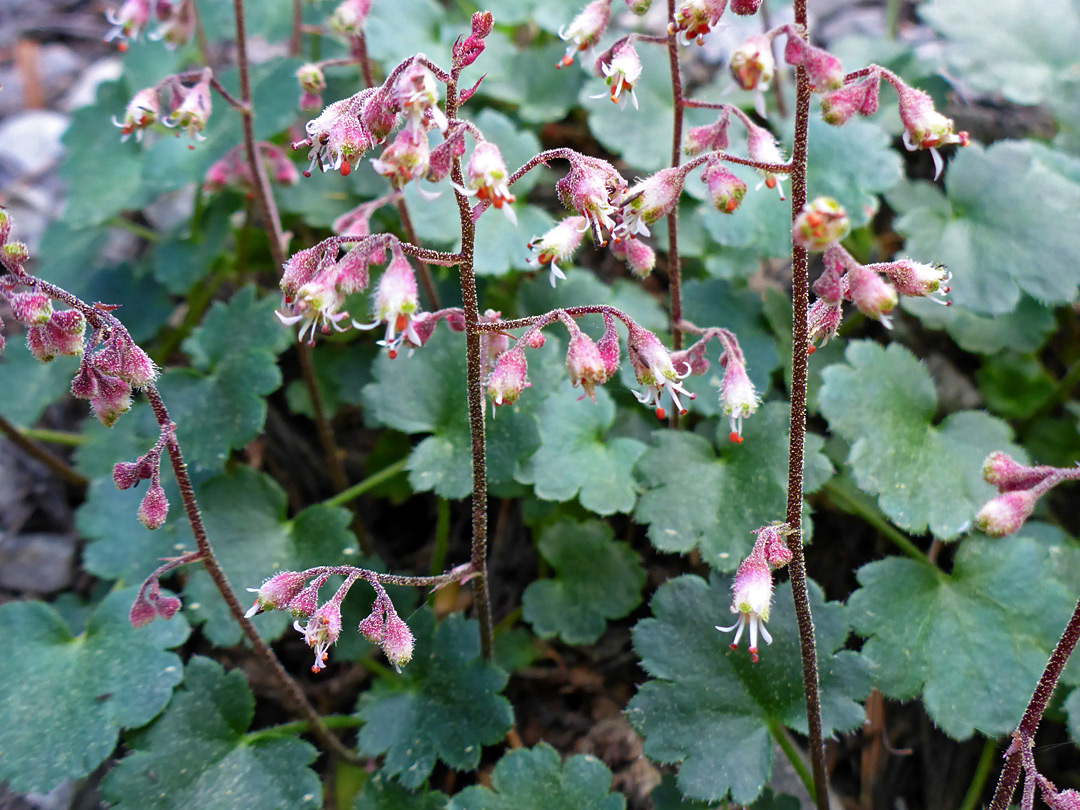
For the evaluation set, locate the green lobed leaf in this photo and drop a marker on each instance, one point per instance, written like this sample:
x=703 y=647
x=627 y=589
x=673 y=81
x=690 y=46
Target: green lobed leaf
x=1003 y=227
x=196 y=755
x=711 y=709
x=244 y=324
x=380 y=793
x=1025 y=329
x=244 y=514
x=31 y=385
x=926 y=477
x=666 y=796
x=445 y=705
x=1014 y=385
x=971 y=643
x=67 y=697
x=596 y=579
x=694 y=498
x=426 y=393
x=576 y=458
x=535 y=779
x=185 y=259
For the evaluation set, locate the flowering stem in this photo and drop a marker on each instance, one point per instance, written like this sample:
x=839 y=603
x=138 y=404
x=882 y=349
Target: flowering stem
x=372 y=481
x=1029 y=723
x=300 y=726
x=674 y=271
x=799 y=296
x=474 y=391
x=289 y=688
x=32 y=449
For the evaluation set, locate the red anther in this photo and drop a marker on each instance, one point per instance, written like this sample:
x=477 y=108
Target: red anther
x=810 y=350
x=691 y=396
x=770 y=181
x=306 y=173
x=683 y=412
x=122 y=46
x=731 y=204
x=734 y=646
x=399 y=323
x=191 y=146
x=345 y=168
x=753 y=654
x=948 y=303
x=392 y=354
x=566 y=61
x=946 y=289
x=735 y=437
x=661 y=414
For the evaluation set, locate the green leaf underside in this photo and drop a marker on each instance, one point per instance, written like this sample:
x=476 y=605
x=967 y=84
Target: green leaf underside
x=445 y=705
x=695 y=498
x=66 y=697
x=574 y=605
x=535 y=779
x=972 y=644
x=926 y=477
x=195 y=757
x=245 y=514
x=709 y=708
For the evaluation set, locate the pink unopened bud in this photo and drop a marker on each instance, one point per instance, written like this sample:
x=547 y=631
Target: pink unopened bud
x=709 y=138
x=822 y=321
x=821 y=222
x=311 y=78
x=465 y=51
x=1007 y=512
x=508 y=379
x=154 y=507
x=302 y=267
x=693 y=358
x=307 y=601
x=648 y=201
x=30 y=307
x=585 y=29
x=121 y=358
x=726 y=190
x=397 y=641
x=608 y=345
x=873 y=296
x=585 y=364
x=824 y=70
x=639 y=257
x=125 y=475
x=1008 y=475
x=348 y=18
x=441 y=159
x=84 y=385
x=373 y=627
x=915 y=279
x=837 y=106
x=695 y=18
x=557 y=245
x=142 y=612
x=277 y=592
x=111 y=399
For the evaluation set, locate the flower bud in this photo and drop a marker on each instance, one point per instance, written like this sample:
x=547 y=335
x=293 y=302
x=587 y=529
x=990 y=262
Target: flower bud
x=831 y=285
x=277 y=592
x=693 y=358
x=1007 y=512
x=915 y=279
x=585 y=364
x=30 y=308
x=13 y=256
x=585 y=29
x=85 y=383
x=397 y=641
x=405 y=159
x=441 y=159
x=125 y=475
x=822 y=322
x=824 y=70
x=745 y=8
x=1007 y=475
x=837 y=106
x=873 y=296
x=6 y=222
x=639 y=257
x=306 y=601
x=709 y=138
x=110 y=400
x=821 y=222
x=65 y=332
x=638 y=7
x=373 y=626
x=752 y=64
x=608 y=345
x=648 y=201
x=154 y=507
x=508 y=378
x=311 y=78
x=695 y=18
x=726 y=190
x=142 y=612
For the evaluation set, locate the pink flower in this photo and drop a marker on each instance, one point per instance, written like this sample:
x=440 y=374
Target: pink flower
x=585 y=30
x=486 y=175
x=194 y=110
x=761 y=147
x=925 y=127
x=585 y=363
x=558 y=245
x=396 y=303
x=738 y=399
x=621 y=67
x=695 y=18
x=321 y=631
x=917 y=280
x=653 y=369
x=154 y=507
x=648 y=201
x=416 y=92
x=874 y=297
x=178 y=24
x=143 y=110
x=1007 y=474
x=276 y=592
x=752 y=64
x=751 y=601
x=822 y=222
x=823 y=321
x=837 y=106
x=405 y=159
x=588 y=188
x=639 y=257
x=726 y=191
x=709 y=138
x=824 y=70
x=127 y=22
x=508 y=378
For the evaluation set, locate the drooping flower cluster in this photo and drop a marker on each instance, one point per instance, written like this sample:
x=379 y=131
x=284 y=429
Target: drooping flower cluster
x=298 y=593
x=590 y=189
x=751 y=591
x=875 y=289
x=231 y=170
x=1020 y=488
x=177 y=18
x=188 y=106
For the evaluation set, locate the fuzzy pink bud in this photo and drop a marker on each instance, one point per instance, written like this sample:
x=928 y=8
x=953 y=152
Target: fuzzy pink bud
x=745 y=8
x=821 y=222
x=639 y=257
x=638 y=7
x=508 y=378
x=709 y=138
x=13 y=255
x=322 y=630
x=1003 y=472
x=31 y=307
x=585 y=364
x=85 y=383
x=6 y=222
x=824 y=70
x=306 y=601
x=648 y=201
x=726 y=191
x=774 y=543
x=142 y=612
x=111 y=399
x=373 y=626
x=738 y=399
x=125 y=475
x=311 y=78
x=154 y=507
x=397 y=641
x=822 y=322
x=860 y=97
x=1007 y=512
x=915 y=279
x=277 y=592
x=873 y=296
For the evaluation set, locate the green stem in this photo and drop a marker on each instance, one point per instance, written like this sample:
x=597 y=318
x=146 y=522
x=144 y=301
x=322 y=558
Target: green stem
x=140 y=231
x=442 y=535
x=32 y=449
x=300 y=726
x=846 y=499
x=788 y=747
x=62 y=437
x=372 y=481
x=982 y=773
